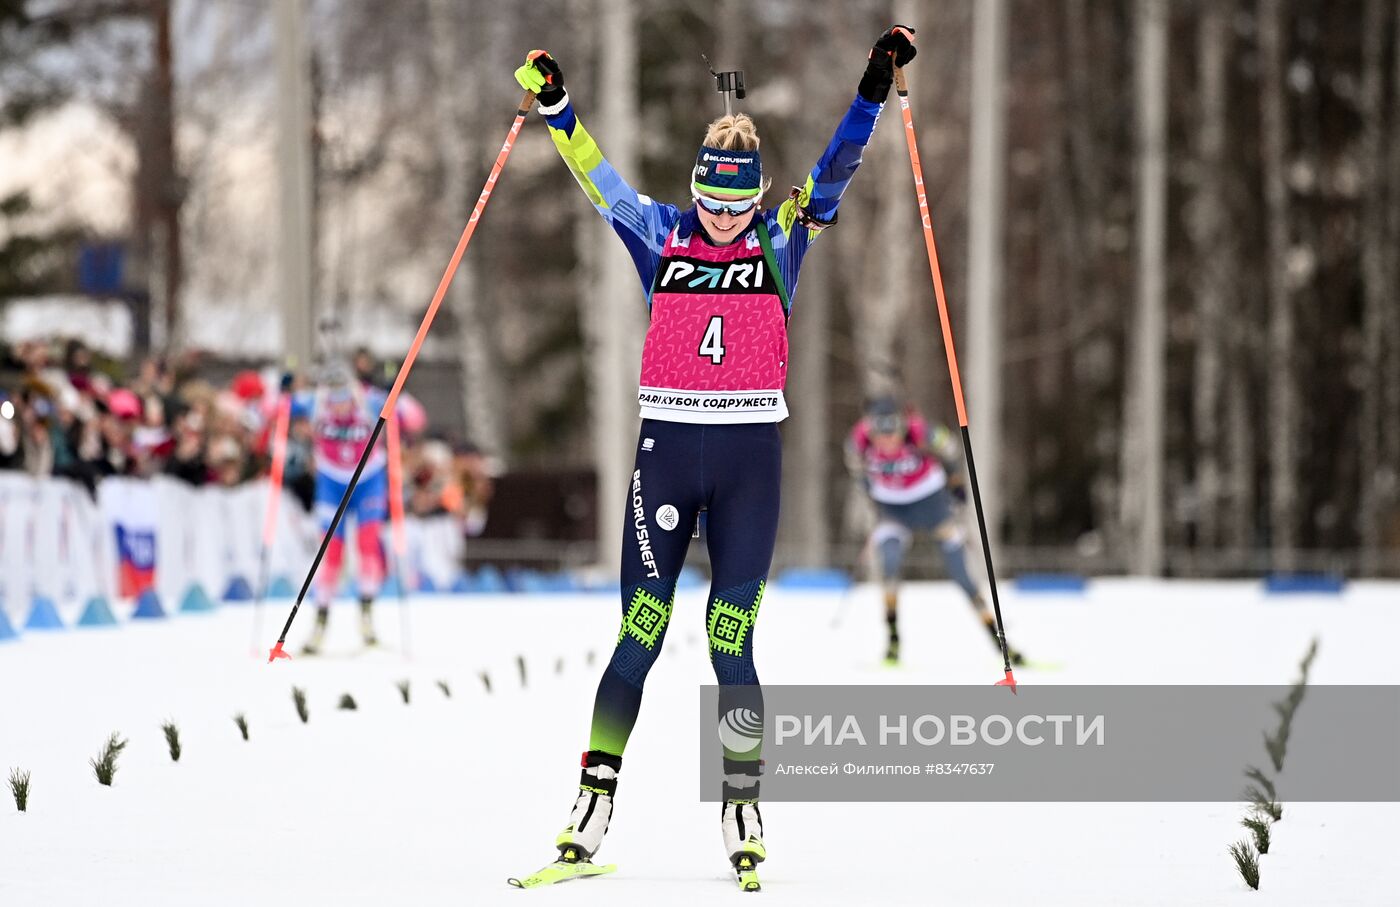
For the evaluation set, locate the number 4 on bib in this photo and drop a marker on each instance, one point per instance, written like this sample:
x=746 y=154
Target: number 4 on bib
x=712 y=344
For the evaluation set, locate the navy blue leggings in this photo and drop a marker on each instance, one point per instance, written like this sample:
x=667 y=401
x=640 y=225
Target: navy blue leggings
x=733 y=472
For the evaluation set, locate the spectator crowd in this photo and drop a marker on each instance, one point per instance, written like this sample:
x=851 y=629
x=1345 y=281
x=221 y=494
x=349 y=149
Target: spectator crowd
x=66 y=413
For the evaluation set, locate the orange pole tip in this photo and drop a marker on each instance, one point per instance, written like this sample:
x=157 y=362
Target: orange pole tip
x=277 y=653
x=1008 y=681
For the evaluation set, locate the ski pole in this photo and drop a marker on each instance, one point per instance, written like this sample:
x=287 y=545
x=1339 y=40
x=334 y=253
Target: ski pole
x=396 y=530
x=387 y=411
x=902 y=88
x=274 y=496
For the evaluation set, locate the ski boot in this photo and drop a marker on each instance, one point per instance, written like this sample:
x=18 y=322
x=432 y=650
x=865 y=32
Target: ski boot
x=592 y=811
x=892 y=653
x=588 y=822
x=366 y=623
x=318 y=632
x=740 y=821
x=892 y=623
x=742 y=825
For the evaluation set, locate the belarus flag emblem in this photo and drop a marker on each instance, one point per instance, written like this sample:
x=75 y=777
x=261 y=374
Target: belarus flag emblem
x=727 y=168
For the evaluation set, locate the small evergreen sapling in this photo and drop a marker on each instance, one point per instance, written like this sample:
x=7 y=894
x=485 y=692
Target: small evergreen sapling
x=485 y=680
x=1260 y=829
x=242 y=721
x=403 y=690
x=299 y=700
x=347 y=702
x=172 y=739
x=446 y=690
x=1263 y=804
x=1247 y=862
x=105 y=765
x=1262 y=780
x=1308 y=659
x=19 y=786
x=1277 y=746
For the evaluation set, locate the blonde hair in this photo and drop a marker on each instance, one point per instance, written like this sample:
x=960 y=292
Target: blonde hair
x=732 y=132
x=735 y=132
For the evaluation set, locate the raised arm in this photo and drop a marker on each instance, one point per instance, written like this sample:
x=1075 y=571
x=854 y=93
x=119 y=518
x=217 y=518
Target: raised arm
x=641 y=222
x=802 y=217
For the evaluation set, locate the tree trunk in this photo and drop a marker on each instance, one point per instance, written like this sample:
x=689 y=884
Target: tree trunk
x=1094 y=364
x=807 y=523
x=294 y=250
x=1390 y=368
x=807 y=520
x=1214 y=254
x=879 y=312
x=457 y=129
x=1240 y=454
x=1283 y=400
x=1377 y=278
x=1144 y=406
x=986 y=245
x=157 y=195
x=613 y=311
x=169 y=189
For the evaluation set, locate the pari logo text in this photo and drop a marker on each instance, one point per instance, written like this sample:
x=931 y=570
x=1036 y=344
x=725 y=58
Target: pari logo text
x=687 y=275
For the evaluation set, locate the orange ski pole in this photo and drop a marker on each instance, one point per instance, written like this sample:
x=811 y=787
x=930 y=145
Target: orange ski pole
x=390 y=402
x=902 y=88
x=396 y=525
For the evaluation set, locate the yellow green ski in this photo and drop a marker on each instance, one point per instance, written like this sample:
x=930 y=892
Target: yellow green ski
x=568 y=866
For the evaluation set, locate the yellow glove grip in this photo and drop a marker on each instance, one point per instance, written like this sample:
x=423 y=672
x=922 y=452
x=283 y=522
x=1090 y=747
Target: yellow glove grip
x=528 y=76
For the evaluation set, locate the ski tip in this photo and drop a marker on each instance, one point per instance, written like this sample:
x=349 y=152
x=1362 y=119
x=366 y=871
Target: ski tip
x=277 y=653
x=1008 y=681
x=515 y=883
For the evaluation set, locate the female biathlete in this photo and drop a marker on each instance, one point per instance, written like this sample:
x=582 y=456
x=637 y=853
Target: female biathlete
x=718 y=277
x=342 y=415
x=913 y=476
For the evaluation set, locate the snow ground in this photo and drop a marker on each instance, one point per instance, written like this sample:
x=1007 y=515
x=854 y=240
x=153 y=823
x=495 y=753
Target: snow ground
x=437 y=802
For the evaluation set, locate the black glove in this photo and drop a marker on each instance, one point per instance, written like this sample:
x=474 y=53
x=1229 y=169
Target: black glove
x=894 y=48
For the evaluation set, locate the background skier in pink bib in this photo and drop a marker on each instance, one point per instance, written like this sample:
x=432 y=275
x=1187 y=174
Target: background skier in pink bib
x=342 y=414
x=913 y=475
x=718 y=277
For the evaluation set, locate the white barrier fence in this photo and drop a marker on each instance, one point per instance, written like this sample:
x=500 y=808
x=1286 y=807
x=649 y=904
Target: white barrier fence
x=61 y=561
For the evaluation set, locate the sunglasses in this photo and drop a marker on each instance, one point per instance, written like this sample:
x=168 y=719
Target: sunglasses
x=733 y=209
